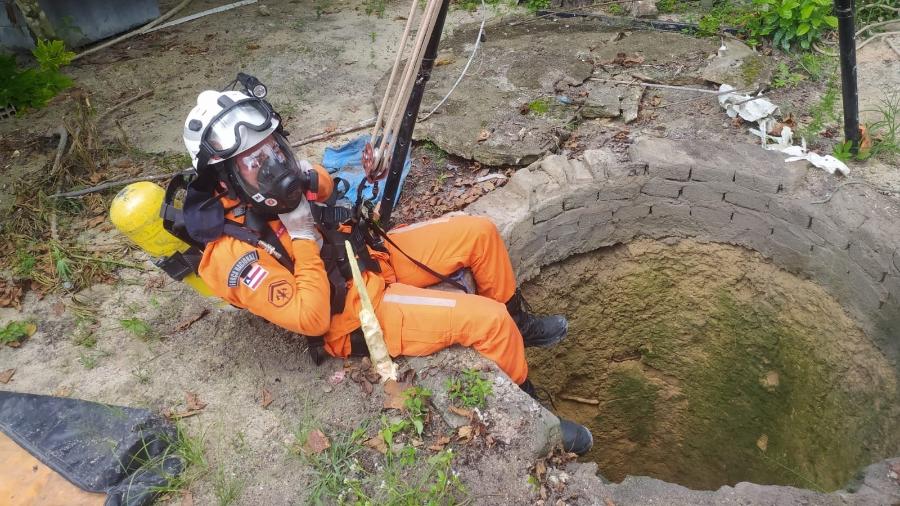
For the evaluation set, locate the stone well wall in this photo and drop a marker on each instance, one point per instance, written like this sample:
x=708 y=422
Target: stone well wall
x=740 y=195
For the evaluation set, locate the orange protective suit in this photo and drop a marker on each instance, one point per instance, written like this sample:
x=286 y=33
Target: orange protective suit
x=416 y=321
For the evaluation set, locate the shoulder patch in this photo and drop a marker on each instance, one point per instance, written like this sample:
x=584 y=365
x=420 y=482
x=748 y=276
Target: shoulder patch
x=240 y=266
x=280 y=293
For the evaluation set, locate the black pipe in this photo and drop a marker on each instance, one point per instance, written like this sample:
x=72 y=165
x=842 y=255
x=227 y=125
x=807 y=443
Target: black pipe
x=846 y=35
x=404 y=133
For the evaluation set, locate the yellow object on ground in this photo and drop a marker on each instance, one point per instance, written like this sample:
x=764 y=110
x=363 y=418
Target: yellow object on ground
x=26 y=481
x=135 y=212
x=378 y=352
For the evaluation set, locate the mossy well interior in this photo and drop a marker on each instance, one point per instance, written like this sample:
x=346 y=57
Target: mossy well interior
x=705 y=365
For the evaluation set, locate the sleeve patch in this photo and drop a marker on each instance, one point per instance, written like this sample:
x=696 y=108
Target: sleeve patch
x=280 y=293
x=240 y=266
x=255 y=276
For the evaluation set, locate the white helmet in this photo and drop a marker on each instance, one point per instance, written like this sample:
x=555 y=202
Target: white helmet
x=224 y=124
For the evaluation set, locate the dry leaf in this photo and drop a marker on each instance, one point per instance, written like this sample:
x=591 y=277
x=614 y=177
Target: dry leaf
x=560 y=502
x=655 y=100
x=463 y=412
x=763 y=442
x=483 y=136
x=367 y=387
x=609 y=502
x=444 y=61
x=464 y=432
x=393 y=394
x=96 y=220
x=365 y=364
x=7 y=375
x=376 y=443
x=372 y=376
x=177 y=415
x=193 y=401
x=252 y=46
x=539 y=469
x=187 y=322
x=317 y=442
x=63 y=391
x=187 y=498
x=265 y=398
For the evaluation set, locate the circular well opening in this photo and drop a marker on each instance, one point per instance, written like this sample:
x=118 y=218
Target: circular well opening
x=704 y=365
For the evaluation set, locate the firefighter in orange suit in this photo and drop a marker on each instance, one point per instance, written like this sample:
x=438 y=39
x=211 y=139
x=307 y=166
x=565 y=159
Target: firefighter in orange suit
x=279 y=270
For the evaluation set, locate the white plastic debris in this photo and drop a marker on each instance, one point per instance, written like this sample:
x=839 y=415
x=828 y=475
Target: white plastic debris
x=748 y=108
x=760 y=111
x=827 y=163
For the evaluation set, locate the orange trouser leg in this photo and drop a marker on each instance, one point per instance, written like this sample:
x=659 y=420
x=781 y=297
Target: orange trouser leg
x=452 y=243
x=418 y=322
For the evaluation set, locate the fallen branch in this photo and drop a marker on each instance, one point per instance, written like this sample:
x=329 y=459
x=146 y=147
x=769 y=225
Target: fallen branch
x=124 y=104
x=202 y=14
x=581 y=400
x=326 y=135
x=877 y=35
x=663 y=86
x=132 y=33
x=880 y=189
x=122 y=182
x=57 y=160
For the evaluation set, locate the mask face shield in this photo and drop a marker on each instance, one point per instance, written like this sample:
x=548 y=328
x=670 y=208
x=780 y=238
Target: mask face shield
x=269 y=176
x=223 y=135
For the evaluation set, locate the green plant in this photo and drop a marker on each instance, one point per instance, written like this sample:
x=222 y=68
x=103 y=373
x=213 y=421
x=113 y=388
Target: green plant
x=15 y=332
x=34 y=87
x=226 y=488
x=25 y=263
x=616 y=9
x=416 y=404
x=822 y=112
x=189 y=450
x=667 y=6
x=138 y=327
x=815 y=65
x=790 y=22
x=536 y=5
x=842 y=152
x=375 y=7
x=885 y=132
x=539 y=107
x=469 y=389
x=90 y=359
x=784 y=77
x=336 y=469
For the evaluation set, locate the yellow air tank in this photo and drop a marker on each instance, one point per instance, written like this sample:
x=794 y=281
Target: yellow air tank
x=135 y=212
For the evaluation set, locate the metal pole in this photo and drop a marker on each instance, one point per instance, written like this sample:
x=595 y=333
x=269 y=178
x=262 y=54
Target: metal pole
x=846 y=34
x=404 y=133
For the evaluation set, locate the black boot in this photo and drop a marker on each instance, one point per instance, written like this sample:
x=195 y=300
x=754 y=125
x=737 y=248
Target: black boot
x=536 y=331
x=576 y=438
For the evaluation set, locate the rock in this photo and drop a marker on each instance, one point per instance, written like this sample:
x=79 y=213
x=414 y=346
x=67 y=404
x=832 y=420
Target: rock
x=602 y=101
x=523 y=72
x=643 y=9
x=631 y=103
x=739 y=66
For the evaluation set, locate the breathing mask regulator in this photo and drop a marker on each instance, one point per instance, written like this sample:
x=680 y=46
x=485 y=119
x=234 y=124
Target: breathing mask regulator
x=241 y=137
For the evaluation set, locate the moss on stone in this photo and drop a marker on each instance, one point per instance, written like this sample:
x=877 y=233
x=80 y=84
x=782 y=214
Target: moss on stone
x=705 y=380
x=751 y=69
x=633 y=404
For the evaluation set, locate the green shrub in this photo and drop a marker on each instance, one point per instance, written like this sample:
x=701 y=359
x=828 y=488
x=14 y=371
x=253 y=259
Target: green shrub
x=32 y=88
x=790 y=22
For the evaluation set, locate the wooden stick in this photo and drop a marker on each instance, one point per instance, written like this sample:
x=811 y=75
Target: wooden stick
x=124 y=104
x=582 y=400
x=63 y=140
x=113 y=184
x=326 y=135
x=139 y=31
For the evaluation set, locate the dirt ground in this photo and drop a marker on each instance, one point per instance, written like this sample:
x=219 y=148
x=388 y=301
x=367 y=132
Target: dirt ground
x=704 y=365
x=139 y=339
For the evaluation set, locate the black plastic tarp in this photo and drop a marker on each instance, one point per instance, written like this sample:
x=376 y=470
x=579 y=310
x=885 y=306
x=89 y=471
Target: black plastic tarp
x=123 y=452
